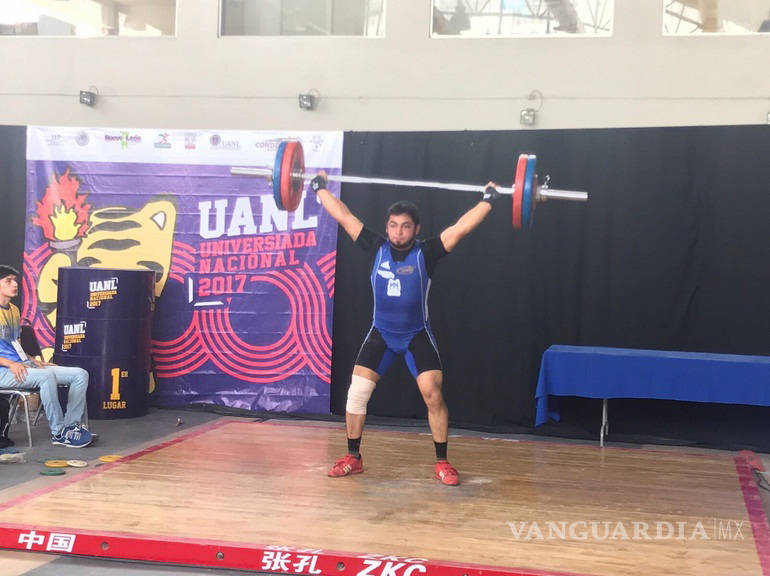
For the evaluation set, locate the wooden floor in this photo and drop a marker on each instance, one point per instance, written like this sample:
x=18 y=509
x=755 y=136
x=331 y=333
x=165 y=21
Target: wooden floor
x=532 y=505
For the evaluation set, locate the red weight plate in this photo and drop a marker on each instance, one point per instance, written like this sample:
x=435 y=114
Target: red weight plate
x=297 y=183
x=518 y=189
x=286 y=173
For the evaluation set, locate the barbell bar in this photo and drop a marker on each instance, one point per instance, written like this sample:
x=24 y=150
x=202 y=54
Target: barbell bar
x=288 y=180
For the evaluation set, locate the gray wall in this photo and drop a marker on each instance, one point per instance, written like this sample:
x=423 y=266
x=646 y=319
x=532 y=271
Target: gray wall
x=404 y=81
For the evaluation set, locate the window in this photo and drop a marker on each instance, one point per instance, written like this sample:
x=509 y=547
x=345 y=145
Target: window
x=84 y=18
x=685 y=17
x=505 y=18
x=303 y=18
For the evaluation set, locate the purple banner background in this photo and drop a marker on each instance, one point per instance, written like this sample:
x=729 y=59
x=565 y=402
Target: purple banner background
x=244 y=292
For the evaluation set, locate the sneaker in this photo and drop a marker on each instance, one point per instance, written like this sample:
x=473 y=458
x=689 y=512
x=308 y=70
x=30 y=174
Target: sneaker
x=446 y=473
x=346 y=466
x=86 y=433
x=72 y=437
x=94 y=435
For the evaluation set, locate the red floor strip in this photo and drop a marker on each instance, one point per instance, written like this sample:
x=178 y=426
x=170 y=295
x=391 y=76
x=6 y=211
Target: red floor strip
x=757 y=517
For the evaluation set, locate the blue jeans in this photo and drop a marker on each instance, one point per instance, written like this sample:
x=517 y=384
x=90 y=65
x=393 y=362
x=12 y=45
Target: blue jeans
x=46 y=381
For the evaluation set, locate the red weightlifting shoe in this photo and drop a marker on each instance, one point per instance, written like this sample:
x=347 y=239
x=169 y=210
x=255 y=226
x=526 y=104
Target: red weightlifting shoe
x=446 y=473
x=347 y=466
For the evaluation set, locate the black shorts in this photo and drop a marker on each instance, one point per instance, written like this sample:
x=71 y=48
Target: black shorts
x=418 y=349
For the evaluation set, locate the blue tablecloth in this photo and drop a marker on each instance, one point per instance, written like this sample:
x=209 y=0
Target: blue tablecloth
x=595 y=372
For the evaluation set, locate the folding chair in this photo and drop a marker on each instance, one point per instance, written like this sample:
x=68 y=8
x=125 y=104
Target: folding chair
x=23 y=395
x=30 y=345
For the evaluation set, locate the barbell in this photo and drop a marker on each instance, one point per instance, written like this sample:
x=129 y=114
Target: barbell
x=288 y=181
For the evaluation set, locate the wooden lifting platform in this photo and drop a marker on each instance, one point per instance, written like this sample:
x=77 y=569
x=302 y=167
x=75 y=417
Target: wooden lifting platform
x=255 y=496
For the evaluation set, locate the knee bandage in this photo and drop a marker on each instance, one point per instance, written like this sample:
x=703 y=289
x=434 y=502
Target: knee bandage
x=358 y=394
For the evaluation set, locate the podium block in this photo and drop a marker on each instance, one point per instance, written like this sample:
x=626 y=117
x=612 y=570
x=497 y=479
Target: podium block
x=104 y=325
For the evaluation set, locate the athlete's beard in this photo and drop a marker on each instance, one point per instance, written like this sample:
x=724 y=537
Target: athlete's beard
x=405 y=246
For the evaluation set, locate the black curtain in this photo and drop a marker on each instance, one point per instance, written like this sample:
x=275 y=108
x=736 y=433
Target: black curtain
x=13 y=174
x=671 y=252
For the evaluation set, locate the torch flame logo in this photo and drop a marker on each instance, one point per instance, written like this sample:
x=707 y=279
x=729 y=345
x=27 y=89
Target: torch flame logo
x=62 y=214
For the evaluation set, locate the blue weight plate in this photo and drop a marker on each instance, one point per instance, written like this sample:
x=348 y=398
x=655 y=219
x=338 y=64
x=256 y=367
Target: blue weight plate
x=277 y=174
x=526 y=202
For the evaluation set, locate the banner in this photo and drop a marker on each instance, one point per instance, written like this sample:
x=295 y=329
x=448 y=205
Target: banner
x=244 y=291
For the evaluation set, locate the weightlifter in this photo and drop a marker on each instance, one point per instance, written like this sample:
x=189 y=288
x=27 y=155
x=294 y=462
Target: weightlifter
x=401 y=271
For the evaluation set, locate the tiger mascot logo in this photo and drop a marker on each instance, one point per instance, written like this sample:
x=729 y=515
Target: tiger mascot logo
x=110 y=237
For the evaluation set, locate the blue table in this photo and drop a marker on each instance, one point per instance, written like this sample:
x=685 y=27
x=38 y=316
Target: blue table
x=596 y=372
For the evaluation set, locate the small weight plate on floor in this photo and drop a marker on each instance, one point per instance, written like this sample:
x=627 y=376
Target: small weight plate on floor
x=110 y=457
x=52 y=472
x=56 y=463
x=77 y=463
